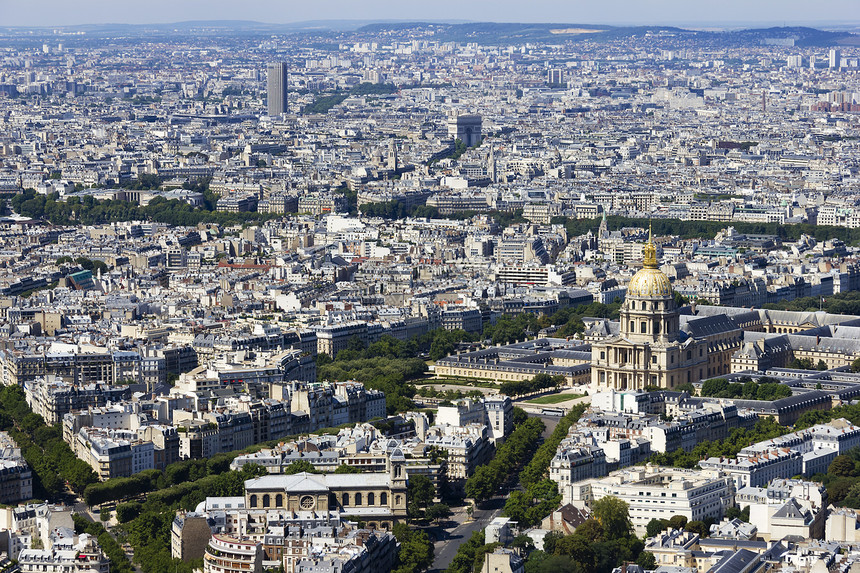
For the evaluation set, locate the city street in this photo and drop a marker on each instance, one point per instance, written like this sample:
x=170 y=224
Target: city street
x=461 y=527
x=461 y=530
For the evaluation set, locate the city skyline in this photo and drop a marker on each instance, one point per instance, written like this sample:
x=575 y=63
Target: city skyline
x=330 y=297
x=625 y=12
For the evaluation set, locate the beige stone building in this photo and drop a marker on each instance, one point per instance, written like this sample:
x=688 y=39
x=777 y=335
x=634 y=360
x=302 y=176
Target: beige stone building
x=649 y=350
x=503 y=560
x=378 y=499
x=521 y=361
x=842 y=526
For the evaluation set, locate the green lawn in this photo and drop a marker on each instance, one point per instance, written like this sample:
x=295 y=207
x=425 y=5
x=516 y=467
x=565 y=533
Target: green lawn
x=464 y=382
x=554 y=398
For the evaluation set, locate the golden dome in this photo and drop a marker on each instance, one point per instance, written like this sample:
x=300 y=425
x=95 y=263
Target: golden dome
x=650 y=281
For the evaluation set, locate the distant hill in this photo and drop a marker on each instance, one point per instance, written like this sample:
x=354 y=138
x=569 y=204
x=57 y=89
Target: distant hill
x=478 y=32
x=243 y=26
x=802 y=36
x=512 y=33
x=497 y=32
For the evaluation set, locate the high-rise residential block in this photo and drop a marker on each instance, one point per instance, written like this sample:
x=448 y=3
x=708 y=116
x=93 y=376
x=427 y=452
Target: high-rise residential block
x=277 y=88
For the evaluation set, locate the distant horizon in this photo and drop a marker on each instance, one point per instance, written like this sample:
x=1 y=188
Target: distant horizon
x=729 y=13
x=698 y=25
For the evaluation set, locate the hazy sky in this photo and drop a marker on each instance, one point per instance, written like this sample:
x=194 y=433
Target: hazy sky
x=68 y=12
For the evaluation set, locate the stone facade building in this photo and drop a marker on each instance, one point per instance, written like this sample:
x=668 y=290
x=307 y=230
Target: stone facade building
x=379 y=499
x=648 y=351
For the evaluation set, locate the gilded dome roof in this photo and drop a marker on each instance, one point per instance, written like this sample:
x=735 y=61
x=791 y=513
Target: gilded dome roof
x=650 y=281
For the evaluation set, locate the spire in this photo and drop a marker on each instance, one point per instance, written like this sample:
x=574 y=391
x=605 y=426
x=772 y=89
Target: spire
x=649 y=252
x=603 y=230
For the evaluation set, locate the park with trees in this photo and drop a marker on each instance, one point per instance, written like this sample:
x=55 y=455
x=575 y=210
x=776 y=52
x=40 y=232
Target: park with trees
x=709 y=229
x=87 y=210
x=764 y=388
x=53 y=462
x=739 y=438
x=391 y=365
x=326 y=102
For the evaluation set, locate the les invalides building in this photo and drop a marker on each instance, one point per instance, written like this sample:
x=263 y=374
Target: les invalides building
x=650 y=348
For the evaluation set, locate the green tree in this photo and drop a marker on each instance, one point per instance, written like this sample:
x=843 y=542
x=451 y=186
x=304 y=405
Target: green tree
x=686 y=387
x=579 y=549
x=677 y=522
x=420 y=494
x=647 y=561
x=517 y=450
x=519 y=416
x=543 y=498
x=416 y=550
x=842 y=466
x=125 y=512
x=537 y=469
x=591 y=530
x=355 y=344
x=543 y=562
x=437 y=512
x=464 y=559
x=517 y=506
x=837 y=489
x=523 y=543
x=79 y=475
x=347 y=469
x=613 y=514
x=697 y=527
x=657 y=526
x=801 y=364
x=772 y=391
x=299 y=466
x=735 y=512
x=483 y=483
x=714 y=386
x=440 y=348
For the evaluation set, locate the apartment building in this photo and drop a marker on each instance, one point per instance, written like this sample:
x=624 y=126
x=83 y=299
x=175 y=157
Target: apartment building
x=757 y=470
x=658 y=493
x=53 y=397
x=496 y=411
x=16 y=477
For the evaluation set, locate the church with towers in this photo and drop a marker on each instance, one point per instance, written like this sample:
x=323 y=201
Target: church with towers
x=650 y=349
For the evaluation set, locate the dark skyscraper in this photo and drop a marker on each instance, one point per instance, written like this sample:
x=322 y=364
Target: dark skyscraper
x=277 y=88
